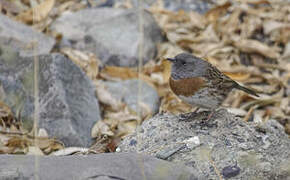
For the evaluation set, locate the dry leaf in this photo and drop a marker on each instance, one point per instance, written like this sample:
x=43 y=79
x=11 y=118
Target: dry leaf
x=286 y=53
x=85 y=60
x=4 y=110
x=101 y=128
x=213 y=14
x=42 y=133
x=38 y=13
x=126 y=128
x=254 y=46
x=120 y=72
x=32 y=150
x=105 y=97
x=238 y=76
x=271 y=25
x=70 y=151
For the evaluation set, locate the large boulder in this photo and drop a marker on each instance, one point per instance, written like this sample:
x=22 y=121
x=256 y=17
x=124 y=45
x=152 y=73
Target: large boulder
x=24 y=39
x=129 y=166
x=224 y=147
x=68 y=106
x=112 y=34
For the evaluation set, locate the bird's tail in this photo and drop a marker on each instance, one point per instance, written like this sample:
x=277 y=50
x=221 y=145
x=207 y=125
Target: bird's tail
x=247 y=90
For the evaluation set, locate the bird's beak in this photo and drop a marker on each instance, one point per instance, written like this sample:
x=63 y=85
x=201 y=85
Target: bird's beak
x=170 y=59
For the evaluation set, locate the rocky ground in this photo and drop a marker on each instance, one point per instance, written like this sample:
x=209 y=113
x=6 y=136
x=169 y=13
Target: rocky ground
x=221 y=148
x=93 y=94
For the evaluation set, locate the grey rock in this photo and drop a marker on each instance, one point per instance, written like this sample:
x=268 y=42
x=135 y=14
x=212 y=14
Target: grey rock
x=237 y=149
x=24 y=39
x=111 y=166
x=98 y=3
x=12 y=174
x=200 y=6
x=112 y=34
x=127 y=91
x=68 y=106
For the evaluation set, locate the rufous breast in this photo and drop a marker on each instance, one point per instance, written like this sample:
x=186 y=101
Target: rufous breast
x=187 y=87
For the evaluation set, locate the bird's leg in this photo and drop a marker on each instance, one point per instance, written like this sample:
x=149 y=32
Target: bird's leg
x=189 y=116
x=212 y=112
x=193 y=114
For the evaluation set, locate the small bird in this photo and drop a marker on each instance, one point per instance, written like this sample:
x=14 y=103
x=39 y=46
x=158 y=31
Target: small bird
x=197 y=82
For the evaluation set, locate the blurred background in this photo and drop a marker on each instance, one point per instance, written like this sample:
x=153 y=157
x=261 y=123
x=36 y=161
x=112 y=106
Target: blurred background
x=86 y=73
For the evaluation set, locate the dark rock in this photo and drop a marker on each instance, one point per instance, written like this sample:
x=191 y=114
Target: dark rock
x=112 y=34
x=230 y=171
x=22 y=38
x=127 y=91
x=133 y=142
x=234 y=147
x=68 y=106
x=122 y=166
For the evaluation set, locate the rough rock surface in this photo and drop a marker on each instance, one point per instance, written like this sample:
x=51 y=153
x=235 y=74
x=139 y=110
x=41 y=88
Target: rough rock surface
x=129 y=166
x=225 y=145
x=112 y=34
x=68 y=106
x=22 y=38
x=127 y=91
x=200 y=6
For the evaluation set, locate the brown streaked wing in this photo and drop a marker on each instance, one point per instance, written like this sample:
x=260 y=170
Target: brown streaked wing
x=218 y=79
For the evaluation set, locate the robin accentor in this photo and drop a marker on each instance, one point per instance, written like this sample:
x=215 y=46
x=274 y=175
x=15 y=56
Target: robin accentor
x=198 y=82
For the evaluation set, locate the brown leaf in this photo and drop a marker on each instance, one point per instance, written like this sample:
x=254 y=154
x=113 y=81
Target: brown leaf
x=120 y=72
x=238 y=76
x=85 y=60
x=126 y=128
x=164 y=70
x=19 y=142
x=6 y=116
x=213 y=14
x=254 y=46
x=286 y=53
x=105 y=97
x=5 y=110
x=101 y=128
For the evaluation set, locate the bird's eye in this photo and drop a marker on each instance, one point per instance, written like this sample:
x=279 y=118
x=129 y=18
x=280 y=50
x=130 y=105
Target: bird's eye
x=183 y=63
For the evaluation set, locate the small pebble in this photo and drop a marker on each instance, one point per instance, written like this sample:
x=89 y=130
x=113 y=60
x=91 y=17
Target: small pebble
x=231 y=171
x=192 y=142
x=133 y=142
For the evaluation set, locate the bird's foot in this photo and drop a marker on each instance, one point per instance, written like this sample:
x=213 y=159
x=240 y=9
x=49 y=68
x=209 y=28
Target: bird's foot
x=189 y=116
x=211 y=115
